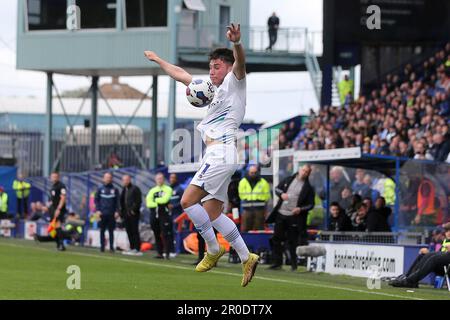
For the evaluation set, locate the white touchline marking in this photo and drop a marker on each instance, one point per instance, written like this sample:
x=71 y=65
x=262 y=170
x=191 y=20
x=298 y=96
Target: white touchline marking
x=223 y=273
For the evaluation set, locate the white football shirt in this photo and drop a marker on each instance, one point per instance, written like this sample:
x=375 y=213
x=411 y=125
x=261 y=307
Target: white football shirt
x=226 y=111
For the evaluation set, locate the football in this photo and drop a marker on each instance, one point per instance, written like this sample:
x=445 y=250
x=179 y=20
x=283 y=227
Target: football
x=200 y=93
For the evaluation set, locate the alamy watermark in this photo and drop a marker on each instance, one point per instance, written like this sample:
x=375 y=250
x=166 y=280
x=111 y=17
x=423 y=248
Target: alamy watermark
x=253 y=147
x=373 y=21
x=73 y=20
x=73 y=282
x=374 y=279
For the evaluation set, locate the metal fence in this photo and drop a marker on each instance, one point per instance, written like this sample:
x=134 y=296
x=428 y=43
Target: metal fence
x=293 y=40
x=373 y=237
x=72 y=153
x=420 y=201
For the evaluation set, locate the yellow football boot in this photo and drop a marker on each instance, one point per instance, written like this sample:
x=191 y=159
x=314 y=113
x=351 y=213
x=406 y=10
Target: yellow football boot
x=209 y=261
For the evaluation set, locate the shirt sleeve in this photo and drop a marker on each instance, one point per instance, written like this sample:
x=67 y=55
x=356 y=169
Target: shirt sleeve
x=236 y=83
x=150 y=200
x=166 y=197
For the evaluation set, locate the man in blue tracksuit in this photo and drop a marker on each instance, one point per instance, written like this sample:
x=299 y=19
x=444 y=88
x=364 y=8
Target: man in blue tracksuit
x=174 y=204
x=107 y=206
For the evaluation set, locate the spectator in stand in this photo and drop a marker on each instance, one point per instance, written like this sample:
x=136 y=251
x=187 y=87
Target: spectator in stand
x=408 y=107
x=346 y=198
x=370 y=192
x=39 y=211
x=292 y=131
x=359 y=187
x=359 y=221
x=283 y=143
x=348 y=99
x=352 y=211
x=337 y=183
x=441 y=147
x=114 y=161
x=339 y=221
x=420 y=152
x=427 y=203
x=345 y=87
x=381 y=213
x=368 y=202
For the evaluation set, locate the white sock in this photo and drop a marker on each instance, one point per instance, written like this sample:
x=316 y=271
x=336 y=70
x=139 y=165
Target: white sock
x=201 y=221
x=229 y=231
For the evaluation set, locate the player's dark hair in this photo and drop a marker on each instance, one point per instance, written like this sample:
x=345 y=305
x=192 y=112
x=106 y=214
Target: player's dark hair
x=224 y=54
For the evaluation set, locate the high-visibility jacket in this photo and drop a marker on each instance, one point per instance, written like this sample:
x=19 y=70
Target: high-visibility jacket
x=425 y=198
x=344 y=88
x=4 y=202
x=389 y=192
x=256 y=197
x=445 y=243
x=22 y=188
x=158 y=196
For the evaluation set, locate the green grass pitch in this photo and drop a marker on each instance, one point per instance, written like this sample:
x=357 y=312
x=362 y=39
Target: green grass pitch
x=37 y=271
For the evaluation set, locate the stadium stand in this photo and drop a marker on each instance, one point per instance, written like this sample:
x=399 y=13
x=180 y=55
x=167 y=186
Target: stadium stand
x=407 y=116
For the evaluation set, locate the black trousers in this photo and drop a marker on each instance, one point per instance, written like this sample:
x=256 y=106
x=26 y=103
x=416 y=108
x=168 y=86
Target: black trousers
x=162 y=226
x=273 y=33
x=132 y=226
x=107 y=222
x=427 y=263
x=201 y=246
x=59 y=232
x=290 y=230
x=22 y=207
x=63 y=234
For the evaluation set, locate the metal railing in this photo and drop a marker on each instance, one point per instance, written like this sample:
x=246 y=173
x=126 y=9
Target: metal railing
x=73 y=154
x=373 y=237
x=289 y=40
x=312 y=64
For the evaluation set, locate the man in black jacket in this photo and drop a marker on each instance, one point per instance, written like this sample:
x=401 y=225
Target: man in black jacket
x=339 y=221
x=273 y=23
x=130 y=205
x=377 y=219
x=290 y=214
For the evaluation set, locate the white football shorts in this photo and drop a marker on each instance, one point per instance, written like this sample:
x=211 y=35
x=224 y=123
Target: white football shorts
x=218 y=165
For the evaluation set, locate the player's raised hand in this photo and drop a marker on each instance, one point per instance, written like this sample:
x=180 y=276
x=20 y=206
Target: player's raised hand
x=152 y=56
x=234 y=32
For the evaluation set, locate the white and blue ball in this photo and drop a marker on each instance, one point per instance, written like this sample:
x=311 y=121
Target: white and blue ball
x=200 y=93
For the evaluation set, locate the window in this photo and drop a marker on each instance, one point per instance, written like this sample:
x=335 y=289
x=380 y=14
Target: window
x=97 y=13
x=146 y=13
x=46 y=14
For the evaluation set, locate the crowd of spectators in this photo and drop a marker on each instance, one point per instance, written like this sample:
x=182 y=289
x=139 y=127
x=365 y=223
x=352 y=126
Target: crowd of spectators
x=408 y=117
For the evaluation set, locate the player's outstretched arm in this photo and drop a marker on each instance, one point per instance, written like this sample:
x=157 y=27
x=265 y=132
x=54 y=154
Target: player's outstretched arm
x=234 y=35
x=175 y=72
